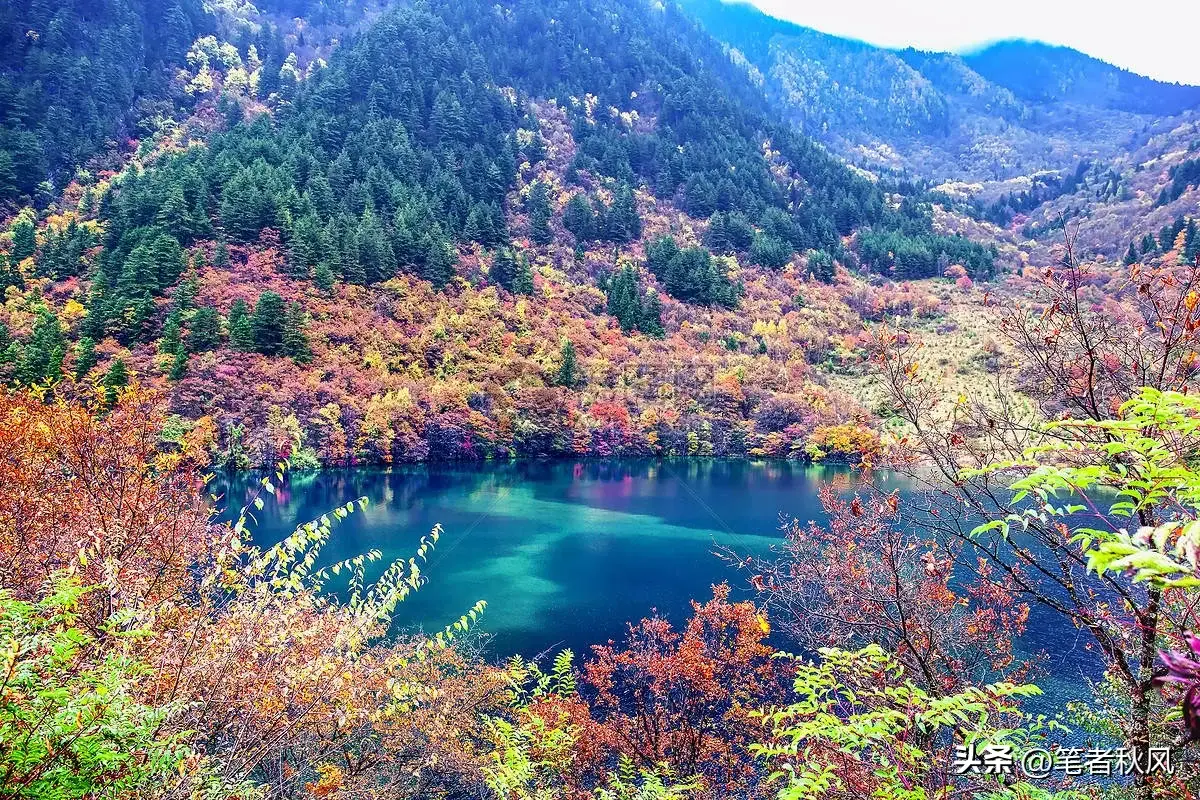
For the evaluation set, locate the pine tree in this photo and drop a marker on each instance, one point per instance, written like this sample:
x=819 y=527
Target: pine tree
x=241 y=330
x=1131 y=255
x=204 y=329
x=324 y=278
x=115 y=379
x=375 y=256
x=651 y=320
x=174 y=217
x=24 y=237
x=439 y=262
x=579 y=218
x=624 y=300
x=623 y=222
x=85 y=357
x=1191 y=243
x=267 y=323
x=523 y=281
x=221 y=255
x=179 y=363
x=717 y=236
x=537 y=204
x=295 y=341
x=172 y=329
x=568 y=369
x=504 y=269
x=44 y=352
x=306 y=247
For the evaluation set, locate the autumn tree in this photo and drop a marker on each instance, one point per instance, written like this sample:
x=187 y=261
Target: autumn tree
x=683 y=697
x=1082 y=355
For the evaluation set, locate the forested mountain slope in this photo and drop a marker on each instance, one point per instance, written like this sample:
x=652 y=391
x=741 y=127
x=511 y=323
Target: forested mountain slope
x=1013 y=108
x=70 y=74
x=534 y=228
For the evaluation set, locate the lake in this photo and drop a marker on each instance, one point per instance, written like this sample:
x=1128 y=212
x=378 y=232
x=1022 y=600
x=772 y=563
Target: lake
x=567 y=553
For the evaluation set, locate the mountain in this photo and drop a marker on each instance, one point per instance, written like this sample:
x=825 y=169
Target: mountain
x=1013 y=108
x=470 y=230
x=1043 y=73
x=71 y=73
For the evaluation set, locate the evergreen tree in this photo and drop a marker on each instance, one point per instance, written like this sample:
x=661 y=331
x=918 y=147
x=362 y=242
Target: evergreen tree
x=537 y=204
x=204 y=330
x=504 y=269
x=85 y=357
x=179 y=363
x=267 y=324
x=821 y=265
x=579 y=218
x=324 y=278
x=177 y=219
x=622 y=221
x=716 y=238
x=523 y=280
x=651 y=320
x=295 y=341
x=115 y=379
x=306 y=248
x=1191 y=243
x=568 y=368
x=10 y=274
x=43 y=354
x=700 y=197
x=624 y=298
x=440 y=261
x=770 y=251
x=24 y=237
x=172 y=331
x=221 y=255
x=375 y=256
x=1131 y=255
x=241 y=329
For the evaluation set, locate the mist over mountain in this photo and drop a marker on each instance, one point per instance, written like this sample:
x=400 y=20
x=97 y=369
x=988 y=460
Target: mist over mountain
x=1010 y=108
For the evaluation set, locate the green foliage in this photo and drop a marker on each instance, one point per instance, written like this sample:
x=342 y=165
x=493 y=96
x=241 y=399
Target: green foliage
x=41 y=358
x=691 y=274
x=632 y=305
x=85 y=357
x=537 y=204
x=568 y=366
x=115 y=379
x=71 y=725
x=204 y=330
x=770 y=251
x=512 y=272
x=267 y=324
x=241 y=328
x=70 y=72
x=859 y=706
x=1139 y=459
x=295 y=341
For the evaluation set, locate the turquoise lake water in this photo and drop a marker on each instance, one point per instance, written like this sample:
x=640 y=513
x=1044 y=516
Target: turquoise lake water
x=566 y=553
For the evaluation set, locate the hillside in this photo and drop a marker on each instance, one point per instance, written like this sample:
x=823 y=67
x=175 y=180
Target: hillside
x=1013 y=108
x=474 y=231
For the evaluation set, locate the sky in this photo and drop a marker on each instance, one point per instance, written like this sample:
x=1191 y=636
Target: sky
x=1158 y=38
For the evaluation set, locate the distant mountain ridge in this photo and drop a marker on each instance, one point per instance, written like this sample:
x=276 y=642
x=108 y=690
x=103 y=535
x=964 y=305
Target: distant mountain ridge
x=1013 y=107
x=1044 y=73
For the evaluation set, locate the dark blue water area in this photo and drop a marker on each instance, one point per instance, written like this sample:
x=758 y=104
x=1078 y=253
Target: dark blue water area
x=566 y=553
